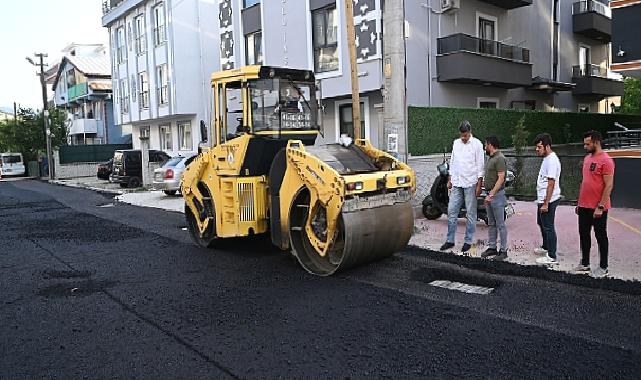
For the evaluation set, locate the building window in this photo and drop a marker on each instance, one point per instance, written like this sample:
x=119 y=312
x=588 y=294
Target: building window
x=325 y=38
x=165 y=138
x=71 y=78
x=124 y=96
x=249 y=3
x=254 y=48
x=141 y=41
x=143 y=93
x=144 y=132
x=524 y=105
x=487 y=103
x=160 y=35
x=121 y=48
x=346 y=122
x=184 y=135
x=162 y=84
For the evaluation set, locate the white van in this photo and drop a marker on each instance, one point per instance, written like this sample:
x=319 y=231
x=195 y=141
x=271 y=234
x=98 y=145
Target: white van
x=12 y=164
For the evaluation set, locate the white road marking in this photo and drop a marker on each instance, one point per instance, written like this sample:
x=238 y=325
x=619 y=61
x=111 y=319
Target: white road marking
x=461 y=287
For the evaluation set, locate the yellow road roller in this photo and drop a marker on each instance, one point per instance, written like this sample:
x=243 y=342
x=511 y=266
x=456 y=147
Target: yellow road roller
x=334 y=206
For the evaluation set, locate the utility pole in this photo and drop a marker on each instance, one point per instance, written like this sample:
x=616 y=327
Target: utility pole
x=45 y=110
x=395 y=111
x=351 y=44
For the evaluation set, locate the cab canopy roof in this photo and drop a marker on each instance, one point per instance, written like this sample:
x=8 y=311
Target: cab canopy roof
x=261 y=72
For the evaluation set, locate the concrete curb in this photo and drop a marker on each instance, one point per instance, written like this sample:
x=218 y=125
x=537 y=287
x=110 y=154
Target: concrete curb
x=77 y=186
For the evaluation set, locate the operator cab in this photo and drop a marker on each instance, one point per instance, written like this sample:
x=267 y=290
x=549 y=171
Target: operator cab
x=268 y=103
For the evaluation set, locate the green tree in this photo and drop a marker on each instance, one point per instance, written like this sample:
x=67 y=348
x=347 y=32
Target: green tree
x=631 y=101
x=26 y=134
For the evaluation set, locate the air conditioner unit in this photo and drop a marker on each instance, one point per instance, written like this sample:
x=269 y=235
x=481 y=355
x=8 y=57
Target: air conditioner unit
x=450 y=5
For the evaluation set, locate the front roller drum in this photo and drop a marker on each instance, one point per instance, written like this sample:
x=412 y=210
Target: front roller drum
x=363 y=236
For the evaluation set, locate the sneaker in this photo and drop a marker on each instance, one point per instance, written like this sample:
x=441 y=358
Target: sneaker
x=466 y=247
x=501 y=256
x=581 y=269
x=489 y=252
x=540 y=251
x=600 y=272
x=447 y=246
x=546 y=260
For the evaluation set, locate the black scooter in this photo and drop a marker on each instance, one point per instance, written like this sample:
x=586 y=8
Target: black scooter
x=435 y=204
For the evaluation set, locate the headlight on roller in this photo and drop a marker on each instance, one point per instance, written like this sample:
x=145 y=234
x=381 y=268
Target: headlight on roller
x=402 y=180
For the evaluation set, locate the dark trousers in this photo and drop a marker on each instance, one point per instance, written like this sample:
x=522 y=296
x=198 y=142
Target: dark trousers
x=545 y=220
x=586 y=222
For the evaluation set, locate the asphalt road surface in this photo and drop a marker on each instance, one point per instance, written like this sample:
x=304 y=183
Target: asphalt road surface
x=90 y=288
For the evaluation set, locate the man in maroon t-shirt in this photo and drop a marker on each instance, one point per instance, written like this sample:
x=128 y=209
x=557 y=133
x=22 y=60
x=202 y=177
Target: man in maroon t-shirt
x=594 y=202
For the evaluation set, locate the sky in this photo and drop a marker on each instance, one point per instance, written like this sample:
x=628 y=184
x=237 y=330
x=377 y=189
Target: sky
x=41 y=26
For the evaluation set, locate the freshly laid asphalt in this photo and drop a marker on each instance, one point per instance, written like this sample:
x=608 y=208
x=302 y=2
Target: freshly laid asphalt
x=92 y=288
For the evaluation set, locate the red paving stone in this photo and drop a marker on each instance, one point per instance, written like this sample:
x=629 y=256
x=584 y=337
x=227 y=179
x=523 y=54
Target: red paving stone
x=624 y=230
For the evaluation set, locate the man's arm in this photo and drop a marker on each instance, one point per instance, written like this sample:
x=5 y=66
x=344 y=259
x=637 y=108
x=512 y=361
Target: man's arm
x=608 y=180
x=499 y=184
x=480 y=166
x=548 y=194
x=452 y=168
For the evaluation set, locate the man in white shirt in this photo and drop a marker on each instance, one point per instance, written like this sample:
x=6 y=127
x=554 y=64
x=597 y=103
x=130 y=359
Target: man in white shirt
x=465 y=181
x=548 y=193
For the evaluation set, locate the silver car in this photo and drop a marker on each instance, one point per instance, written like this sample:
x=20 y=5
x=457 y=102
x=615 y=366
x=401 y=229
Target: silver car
x=167 y=177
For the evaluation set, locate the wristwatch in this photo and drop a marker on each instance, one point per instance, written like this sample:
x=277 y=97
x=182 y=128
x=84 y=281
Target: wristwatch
x=601 y=207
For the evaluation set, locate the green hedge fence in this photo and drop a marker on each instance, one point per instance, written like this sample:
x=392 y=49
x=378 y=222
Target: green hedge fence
x=431 y=130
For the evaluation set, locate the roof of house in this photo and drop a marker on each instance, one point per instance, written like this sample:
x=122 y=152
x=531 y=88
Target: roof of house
x=89 y=66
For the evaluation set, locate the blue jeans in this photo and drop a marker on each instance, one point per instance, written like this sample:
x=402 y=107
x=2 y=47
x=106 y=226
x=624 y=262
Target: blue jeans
x=496 y=220
x=457 y=197
x=545 y=220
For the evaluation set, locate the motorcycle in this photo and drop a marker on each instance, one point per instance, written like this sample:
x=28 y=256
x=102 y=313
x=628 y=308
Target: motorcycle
x=435 y=204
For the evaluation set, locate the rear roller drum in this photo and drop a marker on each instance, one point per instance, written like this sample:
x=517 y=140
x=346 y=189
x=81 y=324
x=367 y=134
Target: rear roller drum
x=362 y=236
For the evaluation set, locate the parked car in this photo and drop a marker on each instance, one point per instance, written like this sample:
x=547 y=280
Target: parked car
x=105 y=169
x=12 y=164
x=127 y=166
x=167 y=178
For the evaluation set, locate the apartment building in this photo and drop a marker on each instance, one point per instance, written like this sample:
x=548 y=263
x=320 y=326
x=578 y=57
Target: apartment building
x=82 y=86
x=162 y=56
x=549 y=55
x=626 y=28
x=310 y=34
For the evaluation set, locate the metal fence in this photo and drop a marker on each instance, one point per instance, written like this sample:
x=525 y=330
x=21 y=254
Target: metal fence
x=89 y=153
x=526 y=169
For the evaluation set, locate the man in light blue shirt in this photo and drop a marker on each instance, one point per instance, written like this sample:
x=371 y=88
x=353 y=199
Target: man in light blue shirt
x=465 y=181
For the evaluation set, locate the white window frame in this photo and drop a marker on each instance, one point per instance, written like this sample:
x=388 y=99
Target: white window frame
x=140 y=34
x=143 y=90
x=310 y=40
x=162 y=84
x=160 y=30
x=494 y=19
x=166 y=137
x=488 y=100
x=181 y=136
x=252 y=48
x=337 y=116
x=121 y=45
x=124 y=95
x=583 y=105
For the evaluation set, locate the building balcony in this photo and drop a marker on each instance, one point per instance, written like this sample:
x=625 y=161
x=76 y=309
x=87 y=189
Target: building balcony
x=77 y=91
x=85 y=126
x=509 y=4
x=592 y=81
x=469 y=60
x=592 y=19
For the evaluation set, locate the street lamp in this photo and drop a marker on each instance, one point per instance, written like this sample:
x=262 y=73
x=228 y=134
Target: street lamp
x=45 y=110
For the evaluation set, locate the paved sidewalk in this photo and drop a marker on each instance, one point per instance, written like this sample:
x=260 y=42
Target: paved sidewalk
x=93 y=183
x=624 y=230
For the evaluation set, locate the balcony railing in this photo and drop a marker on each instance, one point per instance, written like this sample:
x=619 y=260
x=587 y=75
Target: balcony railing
x=463 y=42
x=586 y=6
x=77 y=91
x=108 y=5
x=589 y=70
